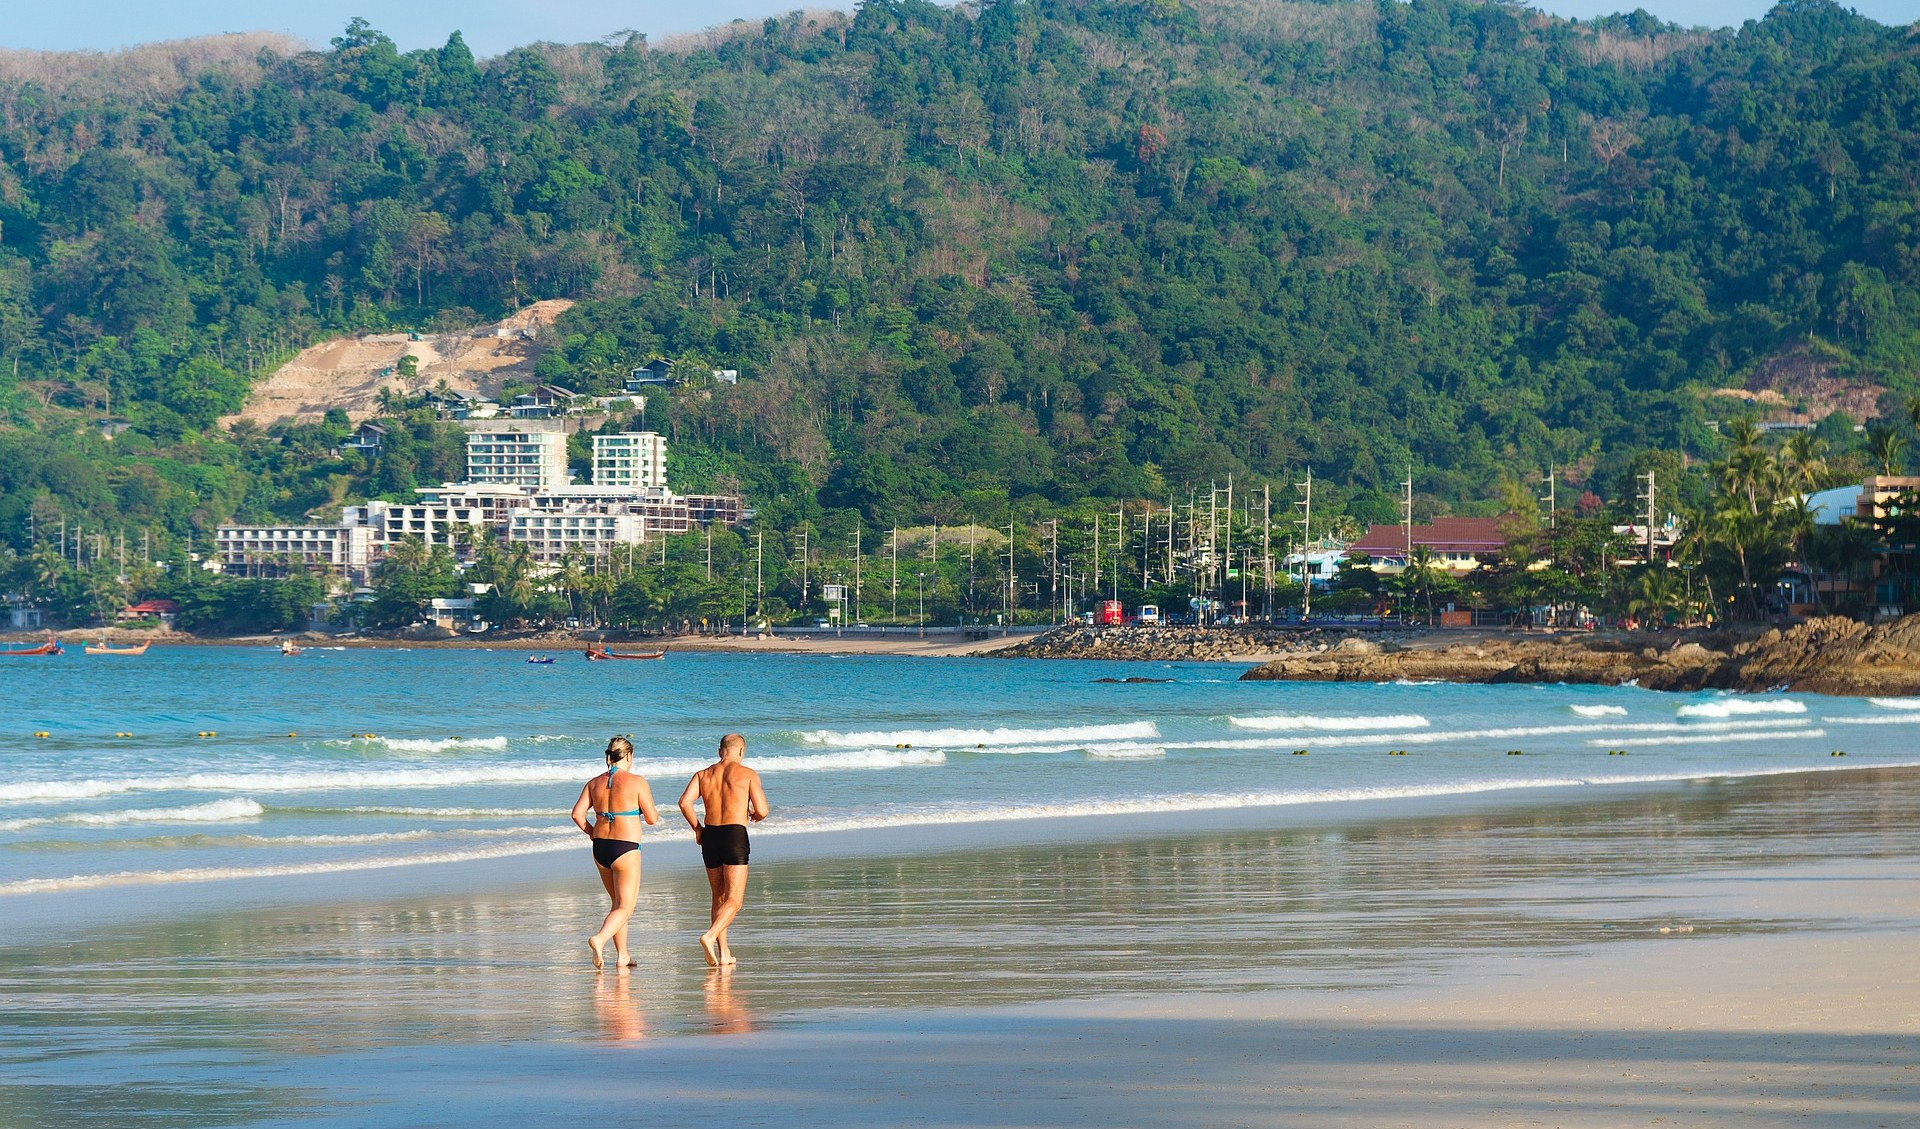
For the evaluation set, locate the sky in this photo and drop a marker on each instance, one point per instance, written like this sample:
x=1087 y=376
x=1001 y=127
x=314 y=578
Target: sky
x=492 y=27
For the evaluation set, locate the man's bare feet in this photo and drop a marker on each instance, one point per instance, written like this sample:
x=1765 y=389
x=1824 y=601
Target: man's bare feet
x=599 y=955
x=709 y=950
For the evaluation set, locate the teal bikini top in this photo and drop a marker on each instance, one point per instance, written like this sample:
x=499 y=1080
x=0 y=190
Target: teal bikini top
x=611 y=769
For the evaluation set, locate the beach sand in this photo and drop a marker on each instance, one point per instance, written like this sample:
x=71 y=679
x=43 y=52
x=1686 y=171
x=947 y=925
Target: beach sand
x=1729 y=953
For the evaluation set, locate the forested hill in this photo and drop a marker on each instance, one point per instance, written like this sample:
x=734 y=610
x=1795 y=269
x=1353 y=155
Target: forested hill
x=1015 y=254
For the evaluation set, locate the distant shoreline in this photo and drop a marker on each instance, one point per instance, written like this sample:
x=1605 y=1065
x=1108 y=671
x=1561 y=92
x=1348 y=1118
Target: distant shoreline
x=904 y=641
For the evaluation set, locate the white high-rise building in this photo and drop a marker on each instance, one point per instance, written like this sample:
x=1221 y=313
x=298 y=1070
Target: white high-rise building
x=634 y=460
x=517 y=457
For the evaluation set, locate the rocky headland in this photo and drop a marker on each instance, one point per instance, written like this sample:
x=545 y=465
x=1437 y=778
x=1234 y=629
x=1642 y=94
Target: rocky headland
x=1828 y=655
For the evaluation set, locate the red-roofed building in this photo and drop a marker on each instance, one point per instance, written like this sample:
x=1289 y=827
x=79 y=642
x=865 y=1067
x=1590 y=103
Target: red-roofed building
x=1458 y=544
x=162 y=610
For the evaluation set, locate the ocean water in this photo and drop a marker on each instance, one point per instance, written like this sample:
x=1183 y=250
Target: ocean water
x=239 y=762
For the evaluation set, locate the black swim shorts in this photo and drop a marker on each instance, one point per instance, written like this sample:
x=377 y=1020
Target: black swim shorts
x=725 y=845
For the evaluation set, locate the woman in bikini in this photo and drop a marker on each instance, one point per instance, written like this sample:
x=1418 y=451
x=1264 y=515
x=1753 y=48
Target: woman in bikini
x=618 y=801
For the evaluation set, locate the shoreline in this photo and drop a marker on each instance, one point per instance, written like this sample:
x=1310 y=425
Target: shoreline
x=1536 y=964
x=902 y=641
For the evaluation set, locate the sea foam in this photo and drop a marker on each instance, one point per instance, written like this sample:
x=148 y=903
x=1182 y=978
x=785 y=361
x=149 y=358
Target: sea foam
x=348 y=780
x=1311 y=722
x=1896 y=703
x=971 y=738
x=1733 y=707
x=1598 y=711
x=430 y=744
x=218 y=811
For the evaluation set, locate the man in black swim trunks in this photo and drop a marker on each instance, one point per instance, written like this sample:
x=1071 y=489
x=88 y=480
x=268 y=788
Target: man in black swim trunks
x=731 y=795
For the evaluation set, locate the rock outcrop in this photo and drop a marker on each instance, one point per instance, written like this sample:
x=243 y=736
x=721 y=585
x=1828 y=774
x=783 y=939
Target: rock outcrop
x=1828 y=656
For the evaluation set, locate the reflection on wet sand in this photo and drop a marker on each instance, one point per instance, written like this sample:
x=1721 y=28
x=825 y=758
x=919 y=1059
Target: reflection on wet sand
x=621 y=1020
x=1365 y=901
x=726 y=1011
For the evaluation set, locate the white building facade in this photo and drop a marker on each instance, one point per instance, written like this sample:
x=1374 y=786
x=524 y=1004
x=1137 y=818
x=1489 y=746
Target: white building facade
x=270 y=550
x=635 y=460
x=517 y=457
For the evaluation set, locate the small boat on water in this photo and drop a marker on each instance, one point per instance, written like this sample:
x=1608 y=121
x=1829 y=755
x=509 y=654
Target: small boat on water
x=50 y=647
x=289 y=647
x=599 y=651
x=540 y=660
x=104 y=649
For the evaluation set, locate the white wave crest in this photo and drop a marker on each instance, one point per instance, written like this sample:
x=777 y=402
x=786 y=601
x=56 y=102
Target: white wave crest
x=1310 y=722
x=1712 y=738
x=440 y=813
x=1127 y=752
x=429 y=744
x=1599 y=711
x=1884 y=719
x=218 y=811
x=1734 y=707
x=970 y=738
x=1896 y=703
x=1781 y=727
x=347 y=780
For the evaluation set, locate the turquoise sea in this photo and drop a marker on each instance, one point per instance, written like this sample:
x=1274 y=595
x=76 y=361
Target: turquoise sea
x=338 y=761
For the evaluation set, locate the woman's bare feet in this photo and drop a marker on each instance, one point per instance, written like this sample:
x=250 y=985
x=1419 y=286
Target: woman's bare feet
x=599 y=955
x=709 y=950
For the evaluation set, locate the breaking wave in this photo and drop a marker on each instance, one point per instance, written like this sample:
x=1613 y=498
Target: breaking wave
x=1734 y=707
x=218 y=811
x=1598 y=711
x=1330 y=724
x=972 y=738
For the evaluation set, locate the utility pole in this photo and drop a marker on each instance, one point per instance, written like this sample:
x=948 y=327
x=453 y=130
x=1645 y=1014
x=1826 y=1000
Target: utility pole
x=1146 y=542
x=1553 y=508
x=893 y=555
x=1007 y=605
x=1306 y=540
x=856 y=572
x=759 y=586
x=1119 y=546
x=1053 y=568
x=1649 y=498
x=1406 y=513
x=935 y=557
x=803 y=566
x=970 y=566
x=1266 y=549
x=1096 y=554
x=709 y=552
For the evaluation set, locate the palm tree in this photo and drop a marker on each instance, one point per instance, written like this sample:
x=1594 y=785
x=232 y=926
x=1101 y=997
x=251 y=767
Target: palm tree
x=1804 y=461
x=1887 y=447
x=1652 y=593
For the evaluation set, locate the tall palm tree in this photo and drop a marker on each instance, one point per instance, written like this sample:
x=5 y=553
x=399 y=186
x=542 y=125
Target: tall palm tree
x=1887 y=448
x=1803 y=461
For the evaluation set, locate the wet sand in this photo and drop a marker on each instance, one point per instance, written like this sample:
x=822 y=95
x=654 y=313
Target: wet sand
x=1717 y=953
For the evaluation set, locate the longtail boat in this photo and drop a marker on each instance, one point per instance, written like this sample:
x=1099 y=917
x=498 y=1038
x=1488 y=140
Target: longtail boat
x=596 y=651
x=104 y=649
x=50 y=647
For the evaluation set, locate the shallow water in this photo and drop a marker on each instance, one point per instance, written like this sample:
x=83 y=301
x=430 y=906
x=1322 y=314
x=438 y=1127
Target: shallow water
x=239 y=762
x=191 y=1020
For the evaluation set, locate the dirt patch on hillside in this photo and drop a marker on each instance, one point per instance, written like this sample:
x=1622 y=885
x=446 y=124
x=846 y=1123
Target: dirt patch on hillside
x=1800 y=386
x=349 y=372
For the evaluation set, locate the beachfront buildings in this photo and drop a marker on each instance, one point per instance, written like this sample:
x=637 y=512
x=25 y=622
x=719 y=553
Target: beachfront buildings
x=516 y=456
x=635 y=460
x=518 y=491
x=345 y=550
x=1458 y=544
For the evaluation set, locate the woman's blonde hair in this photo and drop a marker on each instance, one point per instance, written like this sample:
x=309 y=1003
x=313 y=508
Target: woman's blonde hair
x=619 y=749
